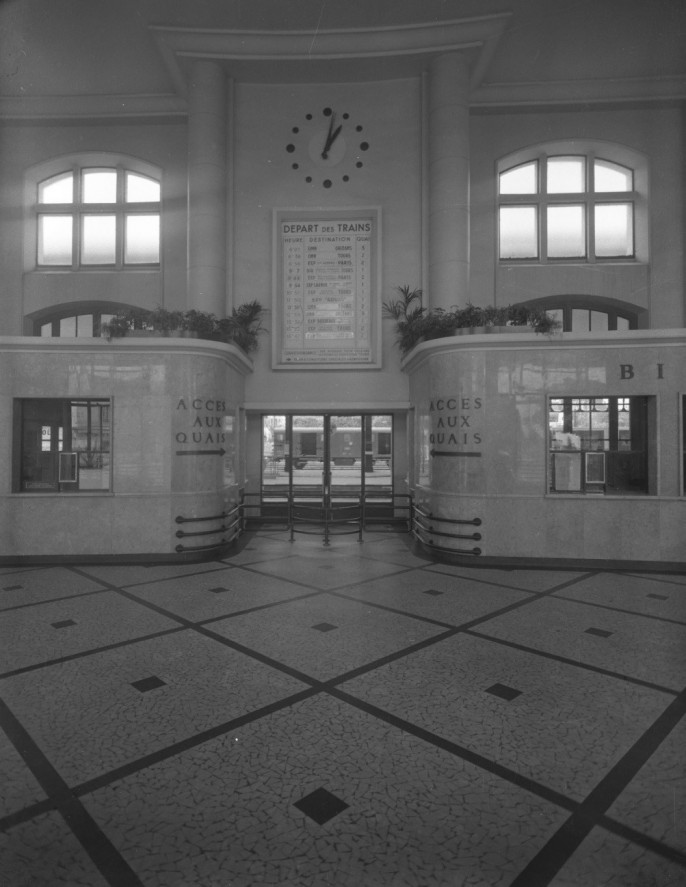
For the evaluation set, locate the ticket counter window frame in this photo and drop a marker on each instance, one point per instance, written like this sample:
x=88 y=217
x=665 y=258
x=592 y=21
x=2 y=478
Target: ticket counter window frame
x=62 y=445
x=602 y=445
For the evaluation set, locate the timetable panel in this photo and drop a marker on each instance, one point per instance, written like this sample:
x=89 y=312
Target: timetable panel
x=326 y=282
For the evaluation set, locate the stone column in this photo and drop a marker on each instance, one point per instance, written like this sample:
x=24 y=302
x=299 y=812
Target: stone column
x=448 y=172
x=207 y=125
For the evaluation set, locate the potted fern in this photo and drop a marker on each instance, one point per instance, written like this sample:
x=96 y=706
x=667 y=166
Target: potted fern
x=415 y=323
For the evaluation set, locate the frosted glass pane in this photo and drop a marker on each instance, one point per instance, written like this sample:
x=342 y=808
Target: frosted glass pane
x=519 y=179
x=46 y=329
x=98 y=240
x=142 y=240
x=622 y=323
x=55 y=240
x=614 y=229
x=599 y=322
x=556 y=314
x=518 y=232
x=612 y=177
x=84 y=325
x=59 y=189
x=566 y=175
x=100 y=186
x=580 y=320
x=68 y=326
x=566 y=232
x=141 y=189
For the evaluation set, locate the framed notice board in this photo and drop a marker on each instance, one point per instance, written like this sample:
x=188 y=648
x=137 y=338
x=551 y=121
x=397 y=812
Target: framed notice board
x=326 y=306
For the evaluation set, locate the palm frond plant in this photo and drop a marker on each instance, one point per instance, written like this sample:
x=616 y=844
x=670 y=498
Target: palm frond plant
x=242 y=327
x=416 y=323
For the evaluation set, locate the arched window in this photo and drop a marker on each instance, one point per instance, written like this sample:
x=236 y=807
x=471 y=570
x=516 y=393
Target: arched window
x=588 y=315
x=74 y=319
x=557 y=206
x=97 y=216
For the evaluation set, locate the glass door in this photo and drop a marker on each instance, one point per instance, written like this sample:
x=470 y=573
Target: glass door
x=327 y=457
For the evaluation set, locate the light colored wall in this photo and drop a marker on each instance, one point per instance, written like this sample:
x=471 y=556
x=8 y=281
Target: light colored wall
x=23 y=291
x=263 y=179
x=657 y=134
x=500 y=385
x=167 y=396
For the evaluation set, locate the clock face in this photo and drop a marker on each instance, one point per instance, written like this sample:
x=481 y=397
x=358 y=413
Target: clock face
x=327 y=147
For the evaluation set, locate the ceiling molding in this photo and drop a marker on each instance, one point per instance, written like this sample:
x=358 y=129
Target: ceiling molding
x=574 y=92
x=305 y=55
x=51 y=108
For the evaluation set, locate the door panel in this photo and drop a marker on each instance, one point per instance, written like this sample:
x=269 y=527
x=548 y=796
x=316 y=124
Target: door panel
x=327 y=457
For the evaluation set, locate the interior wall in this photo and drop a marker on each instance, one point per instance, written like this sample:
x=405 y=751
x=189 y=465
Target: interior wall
x=656 y=133
x=390 y=114
x=23 y=290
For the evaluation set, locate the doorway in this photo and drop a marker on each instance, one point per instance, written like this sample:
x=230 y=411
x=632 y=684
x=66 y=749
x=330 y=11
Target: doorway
x=327 y=458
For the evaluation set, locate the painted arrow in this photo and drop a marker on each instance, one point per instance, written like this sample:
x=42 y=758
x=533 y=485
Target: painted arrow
x=451 y=453
x=200 y=452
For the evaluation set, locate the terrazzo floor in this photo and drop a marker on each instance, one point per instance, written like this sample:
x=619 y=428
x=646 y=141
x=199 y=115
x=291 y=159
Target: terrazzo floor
x=303 y=716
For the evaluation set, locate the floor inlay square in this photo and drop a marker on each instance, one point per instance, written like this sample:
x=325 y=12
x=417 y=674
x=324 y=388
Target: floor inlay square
x=659 y=597
x=565 y=729
x=599 y=632
x=146 y=684
x=230 y=810
x=321 y=806
x=63 y=623
x=219 y=589
x=296 y=633
x=503 y=692
x=12 y=587
x=434 y=592
x=95 y=713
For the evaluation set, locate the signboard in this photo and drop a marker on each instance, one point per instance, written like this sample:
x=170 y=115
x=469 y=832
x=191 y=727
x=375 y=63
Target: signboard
x=456 y=425
x=325 y=299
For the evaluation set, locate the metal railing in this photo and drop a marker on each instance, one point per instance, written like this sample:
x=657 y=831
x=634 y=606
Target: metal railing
x=424 y=531
x=230 y=529
x=330 y=516
x=386 y=512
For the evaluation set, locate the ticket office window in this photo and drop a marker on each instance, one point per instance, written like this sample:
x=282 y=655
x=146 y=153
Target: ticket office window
x=64 y=446
x=601 y=445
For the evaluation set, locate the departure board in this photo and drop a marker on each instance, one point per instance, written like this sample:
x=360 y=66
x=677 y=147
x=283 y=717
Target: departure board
x=327 y=282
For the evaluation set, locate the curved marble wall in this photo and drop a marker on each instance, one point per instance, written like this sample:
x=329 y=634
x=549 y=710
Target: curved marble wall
x=175 y=443
x=481 y=444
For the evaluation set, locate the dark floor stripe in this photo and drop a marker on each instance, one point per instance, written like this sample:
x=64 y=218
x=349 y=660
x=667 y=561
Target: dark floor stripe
x=91 y=651
x=635 y=837
x=655 y=617
x=54 y=600
x=184 y=745
x=109 y=862
x=576 y=663
x=566 y=841
x=459 y=751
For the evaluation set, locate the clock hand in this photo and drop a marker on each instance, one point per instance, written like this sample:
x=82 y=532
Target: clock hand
x=331 y=137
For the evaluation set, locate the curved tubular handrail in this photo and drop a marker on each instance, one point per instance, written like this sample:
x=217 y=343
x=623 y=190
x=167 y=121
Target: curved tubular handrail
x=475 y=536
x=473 y=552
x=181 y=548
x=475 y=522
x=187 y=520
x=180 y=534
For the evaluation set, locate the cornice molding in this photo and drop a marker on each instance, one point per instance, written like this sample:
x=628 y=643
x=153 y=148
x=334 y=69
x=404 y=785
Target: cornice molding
x=238 y=50
x=51 y=108
x=568 y=92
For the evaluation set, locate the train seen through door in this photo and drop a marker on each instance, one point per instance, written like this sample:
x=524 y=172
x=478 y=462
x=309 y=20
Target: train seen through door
x=345 y=445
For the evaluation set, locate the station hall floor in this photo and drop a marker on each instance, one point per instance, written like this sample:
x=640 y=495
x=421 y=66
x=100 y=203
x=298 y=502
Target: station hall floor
x=351 y=715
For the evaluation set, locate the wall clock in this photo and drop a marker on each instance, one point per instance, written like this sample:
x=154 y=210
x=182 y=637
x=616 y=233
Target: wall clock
x=327 y=147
